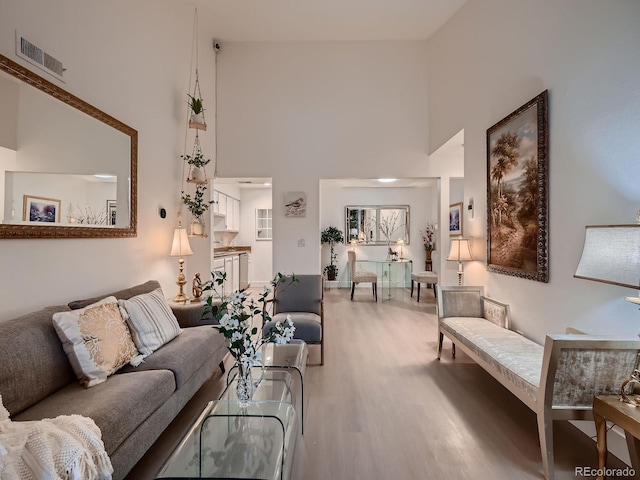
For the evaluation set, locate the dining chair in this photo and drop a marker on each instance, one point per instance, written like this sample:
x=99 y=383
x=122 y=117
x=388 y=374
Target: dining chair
x=360 y=276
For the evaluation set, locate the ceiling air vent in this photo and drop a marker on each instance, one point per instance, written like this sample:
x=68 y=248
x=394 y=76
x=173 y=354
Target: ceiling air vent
x=34 y=54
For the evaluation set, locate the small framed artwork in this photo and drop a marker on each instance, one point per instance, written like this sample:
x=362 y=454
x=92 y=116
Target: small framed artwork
x=517 y=186
x=295 y=204
x=40 y=209
x=111 y=212
x=455 y=219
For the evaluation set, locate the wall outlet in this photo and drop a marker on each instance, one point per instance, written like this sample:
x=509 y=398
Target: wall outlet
x=301 y=242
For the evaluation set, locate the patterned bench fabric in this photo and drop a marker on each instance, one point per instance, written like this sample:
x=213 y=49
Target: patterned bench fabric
x=514 y=356
x=584 y=373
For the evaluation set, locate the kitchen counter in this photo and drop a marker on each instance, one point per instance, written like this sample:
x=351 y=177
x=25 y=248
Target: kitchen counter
x=228 y=251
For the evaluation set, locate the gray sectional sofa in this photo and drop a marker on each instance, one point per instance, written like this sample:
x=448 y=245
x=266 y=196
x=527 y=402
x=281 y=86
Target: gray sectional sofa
x=132 y=408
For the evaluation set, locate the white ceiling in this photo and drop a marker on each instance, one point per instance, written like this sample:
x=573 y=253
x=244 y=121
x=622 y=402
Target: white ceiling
x=323 y=20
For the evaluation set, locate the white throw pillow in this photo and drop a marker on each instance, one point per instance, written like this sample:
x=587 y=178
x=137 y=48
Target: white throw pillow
x=96 y=340
x=151 y=321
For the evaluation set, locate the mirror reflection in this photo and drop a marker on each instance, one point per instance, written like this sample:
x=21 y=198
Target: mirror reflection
x=377 y=224
x=67 y=169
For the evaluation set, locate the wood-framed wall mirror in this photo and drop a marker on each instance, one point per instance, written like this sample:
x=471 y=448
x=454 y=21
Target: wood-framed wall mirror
x=377 y=224
x=67 y=169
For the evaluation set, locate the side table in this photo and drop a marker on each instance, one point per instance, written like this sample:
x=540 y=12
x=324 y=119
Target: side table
x=292 y=356
x=232 y=441
x=627 y=417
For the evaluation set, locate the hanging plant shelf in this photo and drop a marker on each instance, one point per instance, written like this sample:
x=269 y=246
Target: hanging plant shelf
x=197 y=125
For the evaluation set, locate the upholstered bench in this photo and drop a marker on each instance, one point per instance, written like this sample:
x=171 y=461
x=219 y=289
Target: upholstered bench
x=558 y=381
x=430 y=278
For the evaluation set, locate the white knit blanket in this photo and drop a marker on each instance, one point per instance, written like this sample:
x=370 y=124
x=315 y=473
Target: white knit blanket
x=62 y=448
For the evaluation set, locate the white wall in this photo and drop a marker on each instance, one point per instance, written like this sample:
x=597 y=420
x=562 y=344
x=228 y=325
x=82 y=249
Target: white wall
x=132 y=60
x=423 y=206
x=582 y=52
x=299 y=112
x=261 y=261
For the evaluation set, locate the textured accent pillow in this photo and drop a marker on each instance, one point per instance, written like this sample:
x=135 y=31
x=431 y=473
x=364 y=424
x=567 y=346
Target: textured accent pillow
x=151 y=321
x=96 y=340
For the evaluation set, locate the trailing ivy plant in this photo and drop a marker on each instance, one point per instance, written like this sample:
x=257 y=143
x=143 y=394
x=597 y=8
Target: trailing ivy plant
x=197 y=205
x=196 y=160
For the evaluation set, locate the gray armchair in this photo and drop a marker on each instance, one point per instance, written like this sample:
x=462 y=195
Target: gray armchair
x=303 y=300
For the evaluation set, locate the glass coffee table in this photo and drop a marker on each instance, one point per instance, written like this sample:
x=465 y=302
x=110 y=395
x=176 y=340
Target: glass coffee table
x=229 y=440
x=291 y=356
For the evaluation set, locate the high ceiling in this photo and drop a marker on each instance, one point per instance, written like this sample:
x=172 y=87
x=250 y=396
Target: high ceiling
x=323 y=20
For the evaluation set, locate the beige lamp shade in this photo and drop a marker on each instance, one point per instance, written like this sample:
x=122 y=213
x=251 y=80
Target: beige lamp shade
x=180 y=246
x=460 y=250
x=611 y=254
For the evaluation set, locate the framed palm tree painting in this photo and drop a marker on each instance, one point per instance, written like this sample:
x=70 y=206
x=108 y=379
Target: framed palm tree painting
x=517 y=187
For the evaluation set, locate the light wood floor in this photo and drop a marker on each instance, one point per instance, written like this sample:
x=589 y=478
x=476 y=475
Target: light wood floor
x=382 y=407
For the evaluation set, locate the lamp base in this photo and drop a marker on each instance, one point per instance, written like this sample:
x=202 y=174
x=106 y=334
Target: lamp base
x=181 y=282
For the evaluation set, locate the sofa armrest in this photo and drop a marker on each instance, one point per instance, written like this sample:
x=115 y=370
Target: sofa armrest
x=192 y=314
x=496 y=312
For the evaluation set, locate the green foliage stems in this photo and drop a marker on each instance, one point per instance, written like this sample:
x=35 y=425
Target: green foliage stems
x=197 y=160
x=196 y=205
x=331 y=235
x=195 y=104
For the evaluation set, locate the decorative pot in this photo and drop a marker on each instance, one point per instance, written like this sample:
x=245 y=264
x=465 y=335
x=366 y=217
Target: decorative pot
x=244 y=385
x=197 y=175
x=429 y=254
x=331 y=275
x=197 y=227
x=197 y=117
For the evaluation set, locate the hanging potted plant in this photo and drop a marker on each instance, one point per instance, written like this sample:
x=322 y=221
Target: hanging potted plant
x=197 y=206
x=331 y=235
x=196 y=163
x=197 y=112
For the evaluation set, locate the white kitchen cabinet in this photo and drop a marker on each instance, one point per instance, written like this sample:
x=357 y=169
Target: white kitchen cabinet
x=235 y=260
x=236 y=215
x=230 y=281
x=218 y=266
x=226 y=217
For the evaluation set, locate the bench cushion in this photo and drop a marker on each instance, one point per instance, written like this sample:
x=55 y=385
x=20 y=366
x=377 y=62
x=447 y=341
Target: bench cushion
x=514 y=356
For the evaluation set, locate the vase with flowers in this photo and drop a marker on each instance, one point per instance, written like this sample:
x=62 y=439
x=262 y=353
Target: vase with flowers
x=237 y=315
x=429 y=239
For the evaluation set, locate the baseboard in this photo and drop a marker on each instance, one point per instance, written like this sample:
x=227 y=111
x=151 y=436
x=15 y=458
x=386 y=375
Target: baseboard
x=616 y=441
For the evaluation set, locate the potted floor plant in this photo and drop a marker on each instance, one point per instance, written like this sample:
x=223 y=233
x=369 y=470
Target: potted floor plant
x=331 y=235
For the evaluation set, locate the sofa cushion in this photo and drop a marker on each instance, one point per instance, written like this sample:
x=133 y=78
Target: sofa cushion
x=96 y=340
x=125 y=294
x=118 y=406
x=151 y=320
x=183 y=355
x=514 y=356
x=32 y=361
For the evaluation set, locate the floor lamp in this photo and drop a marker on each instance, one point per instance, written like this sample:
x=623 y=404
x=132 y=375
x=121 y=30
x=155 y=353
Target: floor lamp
x=460 y=252
x=180 y=248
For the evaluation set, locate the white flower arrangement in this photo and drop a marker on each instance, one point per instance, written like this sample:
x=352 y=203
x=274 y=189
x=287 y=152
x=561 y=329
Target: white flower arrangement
x=236 y=315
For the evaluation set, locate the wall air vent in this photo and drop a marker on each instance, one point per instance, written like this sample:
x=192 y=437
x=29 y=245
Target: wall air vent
x=35 y=55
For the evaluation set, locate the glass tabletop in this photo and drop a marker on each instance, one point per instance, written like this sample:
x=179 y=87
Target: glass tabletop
x=230 y=440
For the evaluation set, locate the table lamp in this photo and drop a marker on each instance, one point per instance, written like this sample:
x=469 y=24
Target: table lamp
x=460 y=252
x=180 y=248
